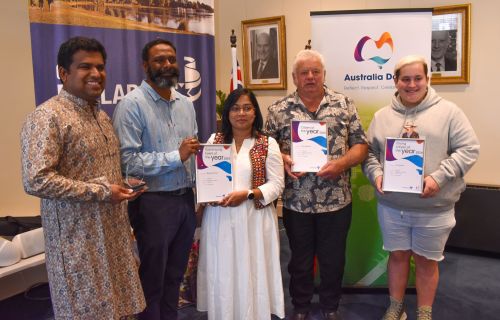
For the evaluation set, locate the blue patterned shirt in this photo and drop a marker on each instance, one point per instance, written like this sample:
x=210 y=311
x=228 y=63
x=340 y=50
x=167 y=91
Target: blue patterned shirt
x=310 y=193
x=152 y=128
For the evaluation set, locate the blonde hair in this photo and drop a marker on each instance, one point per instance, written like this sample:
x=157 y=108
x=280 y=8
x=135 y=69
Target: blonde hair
x=410 y=60
x=308 y=54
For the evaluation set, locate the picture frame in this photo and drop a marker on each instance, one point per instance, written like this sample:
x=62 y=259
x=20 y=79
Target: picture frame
x=264 y=53
x=403 y=167
x=450 y=51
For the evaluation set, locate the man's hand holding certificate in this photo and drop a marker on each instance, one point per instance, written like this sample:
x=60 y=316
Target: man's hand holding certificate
x=214 y=172
x=309 y=145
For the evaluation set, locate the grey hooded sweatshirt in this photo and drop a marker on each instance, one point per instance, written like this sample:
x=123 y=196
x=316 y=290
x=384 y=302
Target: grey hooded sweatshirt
x=451 y=148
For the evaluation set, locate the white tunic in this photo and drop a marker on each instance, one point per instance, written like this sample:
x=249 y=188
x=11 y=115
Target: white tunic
x=239 y=275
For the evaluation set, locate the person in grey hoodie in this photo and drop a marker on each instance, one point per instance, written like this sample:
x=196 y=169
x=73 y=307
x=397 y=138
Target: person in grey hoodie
x=418 y=225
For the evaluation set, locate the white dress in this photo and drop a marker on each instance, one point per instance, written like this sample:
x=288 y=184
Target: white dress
x=239 y=275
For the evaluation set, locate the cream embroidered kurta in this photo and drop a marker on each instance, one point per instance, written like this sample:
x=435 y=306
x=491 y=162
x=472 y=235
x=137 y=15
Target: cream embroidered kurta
x=70 y=156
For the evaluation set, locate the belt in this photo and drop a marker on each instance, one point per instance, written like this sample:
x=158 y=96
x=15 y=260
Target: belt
x=178 y=192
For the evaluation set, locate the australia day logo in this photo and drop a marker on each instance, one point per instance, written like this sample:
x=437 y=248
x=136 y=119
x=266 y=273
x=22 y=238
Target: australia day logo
x=380 y=53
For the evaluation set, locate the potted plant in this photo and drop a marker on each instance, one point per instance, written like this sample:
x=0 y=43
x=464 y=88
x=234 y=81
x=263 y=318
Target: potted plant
x=219 y=106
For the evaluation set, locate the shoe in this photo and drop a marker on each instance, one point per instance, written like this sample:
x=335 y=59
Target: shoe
x=299 y=316
x=331 y=315
x=424 y=313
x=396 y=311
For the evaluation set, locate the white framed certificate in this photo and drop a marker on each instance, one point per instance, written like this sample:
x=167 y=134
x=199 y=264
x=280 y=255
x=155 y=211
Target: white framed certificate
x=404 y=165
x=309 y=145
x=214 y=172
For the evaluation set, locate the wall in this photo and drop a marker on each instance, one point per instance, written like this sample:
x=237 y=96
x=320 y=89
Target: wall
x=484 y=112
x=18 y=98
x=475 y=99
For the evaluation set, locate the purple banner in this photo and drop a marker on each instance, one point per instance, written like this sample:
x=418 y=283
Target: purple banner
x=195 y=54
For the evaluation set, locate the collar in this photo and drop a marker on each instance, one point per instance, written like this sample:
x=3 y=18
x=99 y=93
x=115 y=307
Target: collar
x=441 y=61
x=79 y=102
x=296 y=100
x=430 y=99
x=155 y=96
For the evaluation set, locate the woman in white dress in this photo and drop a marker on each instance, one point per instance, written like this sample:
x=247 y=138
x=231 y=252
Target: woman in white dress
x=239 y=275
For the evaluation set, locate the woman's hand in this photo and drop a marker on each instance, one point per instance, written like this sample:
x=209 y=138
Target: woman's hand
x=234 y=199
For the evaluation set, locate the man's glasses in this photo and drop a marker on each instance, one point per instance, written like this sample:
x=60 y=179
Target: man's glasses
x=246 y=108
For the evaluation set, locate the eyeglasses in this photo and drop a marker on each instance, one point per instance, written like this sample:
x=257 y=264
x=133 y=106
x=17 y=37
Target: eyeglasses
x=246 y=108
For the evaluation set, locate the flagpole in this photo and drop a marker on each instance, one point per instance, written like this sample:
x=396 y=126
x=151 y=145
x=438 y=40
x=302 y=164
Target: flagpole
x=232 y=38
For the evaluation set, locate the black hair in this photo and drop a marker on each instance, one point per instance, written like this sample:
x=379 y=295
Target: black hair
x=150 y=44
x=232 y=98
x=72 y=45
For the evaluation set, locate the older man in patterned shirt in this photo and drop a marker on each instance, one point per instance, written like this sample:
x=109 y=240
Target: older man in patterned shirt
x=317 y=206
x=71 y=160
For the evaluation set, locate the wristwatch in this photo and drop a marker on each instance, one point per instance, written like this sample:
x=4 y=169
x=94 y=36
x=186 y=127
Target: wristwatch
x=250 y=195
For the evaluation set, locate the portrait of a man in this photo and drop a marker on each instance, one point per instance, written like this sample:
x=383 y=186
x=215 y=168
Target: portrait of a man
x=443 y=54
x=264 y=58
x=264 y=53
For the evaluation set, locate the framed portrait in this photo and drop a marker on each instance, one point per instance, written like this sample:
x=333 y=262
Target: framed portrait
x=450 y=52
x=264 y=53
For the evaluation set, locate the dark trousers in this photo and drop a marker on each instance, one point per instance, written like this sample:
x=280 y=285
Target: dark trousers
x=323 y=235
x=164 y=226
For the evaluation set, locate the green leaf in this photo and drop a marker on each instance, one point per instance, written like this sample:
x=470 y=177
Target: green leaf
x=219 y=106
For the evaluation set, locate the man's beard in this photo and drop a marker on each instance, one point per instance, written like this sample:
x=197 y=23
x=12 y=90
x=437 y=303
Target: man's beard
x=164 y=78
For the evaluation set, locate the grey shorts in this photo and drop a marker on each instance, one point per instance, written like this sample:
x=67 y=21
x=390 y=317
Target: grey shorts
x=423 y=233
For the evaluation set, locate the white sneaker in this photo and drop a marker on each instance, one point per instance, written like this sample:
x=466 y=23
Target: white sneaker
x=396 y=311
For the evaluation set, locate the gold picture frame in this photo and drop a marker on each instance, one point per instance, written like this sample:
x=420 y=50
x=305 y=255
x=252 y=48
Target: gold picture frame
x=450 y=51
x=264 y=53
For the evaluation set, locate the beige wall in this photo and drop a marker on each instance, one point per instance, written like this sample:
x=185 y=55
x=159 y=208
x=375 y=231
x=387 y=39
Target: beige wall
x=18 y=98
x=478 y=99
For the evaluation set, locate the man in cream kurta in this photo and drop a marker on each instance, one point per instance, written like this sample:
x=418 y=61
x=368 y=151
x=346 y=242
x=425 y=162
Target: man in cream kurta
x=71 y=160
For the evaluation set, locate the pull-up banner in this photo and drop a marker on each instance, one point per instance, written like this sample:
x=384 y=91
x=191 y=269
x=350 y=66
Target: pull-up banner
x=360 y=50
x=124 y=27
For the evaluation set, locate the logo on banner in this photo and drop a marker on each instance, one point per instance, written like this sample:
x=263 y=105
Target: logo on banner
x=363 y=43
x=192 y=80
